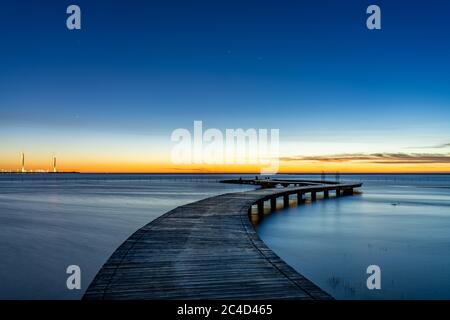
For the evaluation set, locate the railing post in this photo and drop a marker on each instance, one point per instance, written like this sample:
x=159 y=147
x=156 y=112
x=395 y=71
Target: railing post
x=348 y=192
x=273 y=204
x=286 y=200
x=260 y=208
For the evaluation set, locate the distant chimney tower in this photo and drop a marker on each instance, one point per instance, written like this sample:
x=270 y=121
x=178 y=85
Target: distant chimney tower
x=23 y=162
x=54 y=164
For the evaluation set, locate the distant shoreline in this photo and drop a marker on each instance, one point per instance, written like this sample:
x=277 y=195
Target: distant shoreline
x=227 y=173
x=27 y=173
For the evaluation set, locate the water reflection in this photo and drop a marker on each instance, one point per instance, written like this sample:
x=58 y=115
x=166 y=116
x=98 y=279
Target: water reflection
x=403 y=227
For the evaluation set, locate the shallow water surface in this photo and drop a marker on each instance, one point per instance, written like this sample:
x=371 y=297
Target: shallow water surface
x=48 y=222
x=400 y=223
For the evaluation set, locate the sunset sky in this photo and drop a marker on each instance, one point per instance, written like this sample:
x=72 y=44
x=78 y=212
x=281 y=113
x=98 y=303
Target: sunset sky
x=106 y=98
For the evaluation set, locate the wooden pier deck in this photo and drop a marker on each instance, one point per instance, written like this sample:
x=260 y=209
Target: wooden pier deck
x=208 y=250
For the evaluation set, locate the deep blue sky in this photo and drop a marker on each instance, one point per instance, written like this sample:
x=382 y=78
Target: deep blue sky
x=148 y=67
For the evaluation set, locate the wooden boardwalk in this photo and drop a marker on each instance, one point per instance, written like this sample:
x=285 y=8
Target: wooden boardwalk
x=207 y=250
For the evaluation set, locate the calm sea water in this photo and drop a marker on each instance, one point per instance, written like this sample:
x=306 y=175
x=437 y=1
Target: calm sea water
x=401 y=223
x=48 y=222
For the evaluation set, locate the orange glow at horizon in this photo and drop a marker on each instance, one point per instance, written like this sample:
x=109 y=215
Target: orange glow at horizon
x=160 y=163
x=284 y=167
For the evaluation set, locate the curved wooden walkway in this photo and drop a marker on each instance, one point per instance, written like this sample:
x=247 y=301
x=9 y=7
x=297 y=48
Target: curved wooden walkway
x=206 y=250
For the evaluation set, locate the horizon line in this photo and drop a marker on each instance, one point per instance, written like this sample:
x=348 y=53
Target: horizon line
x=235 y=173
